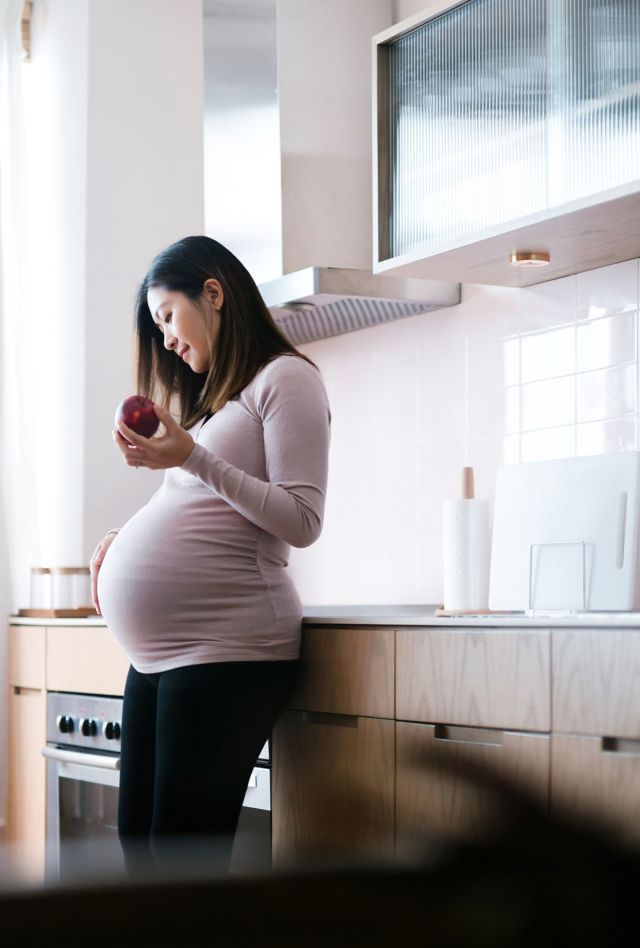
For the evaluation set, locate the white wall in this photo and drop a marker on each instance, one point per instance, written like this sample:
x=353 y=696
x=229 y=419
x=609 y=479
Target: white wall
x=403 y=9
x=115 y=119
x=144 y=191
x=242 y=133
x=552 y=372
x=56 y=108
x=324 y=83
x=114 y=116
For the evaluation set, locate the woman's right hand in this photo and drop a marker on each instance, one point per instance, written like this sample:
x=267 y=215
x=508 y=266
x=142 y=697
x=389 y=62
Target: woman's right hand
x=96 y=562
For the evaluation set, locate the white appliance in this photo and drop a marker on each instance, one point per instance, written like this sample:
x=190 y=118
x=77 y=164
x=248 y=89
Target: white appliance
x=565 y=535
x=83 y=777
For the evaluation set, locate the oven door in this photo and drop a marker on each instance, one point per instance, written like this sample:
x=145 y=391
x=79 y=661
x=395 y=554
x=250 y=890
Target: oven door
x=82 y=801
x=252 y=843
x=82 y=807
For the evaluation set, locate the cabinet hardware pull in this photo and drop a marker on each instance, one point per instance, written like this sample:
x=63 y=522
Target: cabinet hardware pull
x=621 y=745
x=337 y=720
x=467 y=735
x=20 y=690
x=97 y=761
x=622 y=523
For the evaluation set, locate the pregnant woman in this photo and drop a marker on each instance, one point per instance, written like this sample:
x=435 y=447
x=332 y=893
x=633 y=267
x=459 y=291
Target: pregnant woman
x=195 y=585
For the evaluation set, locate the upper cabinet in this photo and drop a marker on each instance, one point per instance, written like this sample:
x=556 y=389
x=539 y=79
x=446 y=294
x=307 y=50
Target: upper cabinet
x=504 y=128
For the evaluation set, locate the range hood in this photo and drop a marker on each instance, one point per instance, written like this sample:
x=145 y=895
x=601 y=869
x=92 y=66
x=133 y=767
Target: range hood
x=318 y=302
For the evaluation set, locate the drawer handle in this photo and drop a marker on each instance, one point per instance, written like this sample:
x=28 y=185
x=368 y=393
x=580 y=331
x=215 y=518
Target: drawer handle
x=467 y=735
x=622 y=522
x=336 y=720
x=620 y=745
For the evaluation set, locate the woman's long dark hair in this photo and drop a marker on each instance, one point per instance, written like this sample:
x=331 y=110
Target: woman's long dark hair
x=248 y=338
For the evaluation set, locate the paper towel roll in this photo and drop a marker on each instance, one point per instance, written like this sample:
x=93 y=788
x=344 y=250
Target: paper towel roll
x=466 y=554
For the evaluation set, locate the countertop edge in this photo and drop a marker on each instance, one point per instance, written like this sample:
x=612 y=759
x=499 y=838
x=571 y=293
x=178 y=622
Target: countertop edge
x=594 y=620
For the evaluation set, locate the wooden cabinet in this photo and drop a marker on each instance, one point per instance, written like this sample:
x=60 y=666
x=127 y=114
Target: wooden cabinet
x=596 y=673
x=487 y=678
x=598 y=780
x=484 y=698
x=441 y=787
x=333 y=751
x=347 y=671
x=595 y=758
x=81 y=658
x=333 y=788
x=26 y=788
x=85 y=659
x=353 y=770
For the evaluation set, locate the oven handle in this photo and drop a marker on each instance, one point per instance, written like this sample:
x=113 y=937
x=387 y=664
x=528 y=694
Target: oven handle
x=76 y=757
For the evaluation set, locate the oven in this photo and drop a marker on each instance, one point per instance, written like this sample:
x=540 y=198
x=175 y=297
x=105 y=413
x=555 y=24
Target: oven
x=83 y=759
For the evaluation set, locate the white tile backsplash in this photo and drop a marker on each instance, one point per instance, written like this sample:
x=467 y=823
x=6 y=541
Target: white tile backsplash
x=607 y=393
x=606 y=437
x=607 y=341
x=608 y=290
x=548 y=404
x=551 y=371
x=548 y=443
x=547 y=305
x=548 y=354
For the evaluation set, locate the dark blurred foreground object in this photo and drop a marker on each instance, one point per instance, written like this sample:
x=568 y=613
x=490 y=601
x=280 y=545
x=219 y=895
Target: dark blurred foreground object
x=534 y=878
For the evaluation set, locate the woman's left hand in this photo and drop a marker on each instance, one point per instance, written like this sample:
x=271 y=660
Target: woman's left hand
x=170 y=449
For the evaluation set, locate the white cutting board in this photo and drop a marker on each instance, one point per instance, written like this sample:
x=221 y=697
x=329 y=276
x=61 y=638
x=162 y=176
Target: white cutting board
x=592 y=499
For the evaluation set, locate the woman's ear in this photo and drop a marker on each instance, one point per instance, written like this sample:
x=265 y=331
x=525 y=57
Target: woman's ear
x=214 y=293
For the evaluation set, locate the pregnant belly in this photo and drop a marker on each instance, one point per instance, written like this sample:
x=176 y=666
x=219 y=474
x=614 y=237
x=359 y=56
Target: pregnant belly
x=155 y=575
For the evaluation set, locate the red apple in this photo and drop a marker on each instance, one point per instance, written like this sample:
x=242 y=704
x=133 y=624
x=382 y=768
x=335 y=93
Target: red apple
x=137 y=413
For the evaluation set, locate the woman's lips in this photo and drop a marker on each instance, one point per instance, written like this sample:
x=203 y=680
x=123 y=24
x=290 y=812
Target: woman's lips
x=182 y=352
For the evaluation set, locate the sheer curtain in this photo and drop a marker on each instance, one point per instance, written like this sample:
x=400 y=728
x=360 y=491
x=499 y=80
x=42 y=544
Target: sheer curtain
x=19 y=535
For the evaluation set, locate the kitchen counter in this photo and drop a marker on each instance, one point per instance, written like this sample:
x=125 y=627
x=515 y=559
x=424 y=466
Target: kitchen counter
x=413 y=615
x=417 y=615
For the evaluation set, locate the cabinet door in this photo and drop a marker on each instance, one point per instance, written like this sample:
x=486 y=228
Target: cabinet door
x=434 y=801
x=27 y=781
x=332 y=788
x=85 y=659
x=487 y=678
x=597 y=779
x=595 y=682
x=27 y=656
x=347 y=671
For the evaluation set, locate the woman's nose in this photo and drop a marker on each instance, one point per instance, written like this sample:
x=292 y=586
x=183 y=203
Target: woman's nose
x=169 y=340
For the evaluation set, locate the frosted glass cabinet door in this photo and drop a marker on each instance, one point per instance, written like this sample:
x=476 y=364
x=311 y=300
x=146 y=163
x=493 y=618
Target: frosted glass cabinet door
x=491 y=111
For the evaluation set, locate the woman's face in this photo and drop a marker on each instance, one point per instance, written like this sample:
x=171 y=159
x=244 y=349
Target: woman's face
x=189 y=330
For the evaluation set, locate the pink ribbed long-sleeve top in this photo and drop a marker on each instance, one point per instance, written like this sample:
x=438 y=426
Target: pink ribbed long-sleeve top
x=199 y=573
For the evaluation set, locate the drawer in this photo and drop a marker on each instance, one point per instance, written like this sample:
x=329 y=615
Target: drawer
x=434 y=801
x=85 y=659
x=486 y=678
x=333 y=788
x=597 y=779
x=596 y=674
x=346 y=671
x=27 y=656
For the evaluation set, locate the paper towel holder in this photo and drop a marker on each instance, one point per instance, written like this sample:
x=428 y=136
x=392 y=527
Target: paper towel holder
x=467 y=483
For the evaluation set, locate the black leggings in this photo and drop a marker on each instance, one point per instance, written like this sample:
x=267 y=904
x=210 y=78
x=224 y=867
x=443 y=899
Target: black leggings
x=190 y=739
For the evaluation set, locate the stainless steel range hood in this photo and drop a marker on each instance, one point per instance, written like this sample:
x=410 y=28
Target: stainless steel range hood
x=318 y=302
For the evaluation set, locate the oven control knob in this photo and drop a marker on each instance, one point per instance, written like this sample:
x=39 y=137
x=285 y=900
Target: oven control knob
x=88 y=727
x=64 y=724
x=111 y=730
